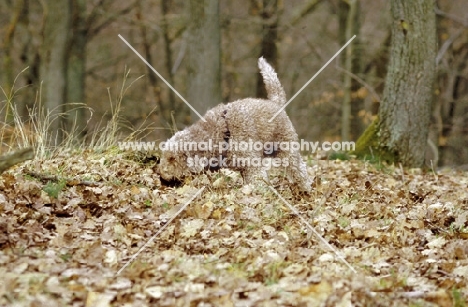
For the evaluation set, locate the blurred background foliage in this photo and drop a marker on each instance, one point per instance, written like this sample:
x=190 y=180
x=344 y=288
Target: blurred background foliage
x=296 y=36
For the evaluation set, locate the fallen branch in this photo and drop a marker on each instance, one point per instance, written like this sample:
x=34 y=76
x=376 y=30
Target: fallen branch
x=18 y=156
x=69 y=182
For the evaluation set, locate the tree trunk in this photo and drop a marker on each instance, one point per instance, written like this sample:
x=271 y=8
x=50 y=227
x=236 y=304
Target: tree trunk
x=406 y=107
x=171 y=103
x=29 y=57
x=269 y=36
x=350 y=60
x=400 y=132
x=54 y=63
x=152 y=78
x=17 y=8
x=76 y=72
x=204 y=75
x=349 y=31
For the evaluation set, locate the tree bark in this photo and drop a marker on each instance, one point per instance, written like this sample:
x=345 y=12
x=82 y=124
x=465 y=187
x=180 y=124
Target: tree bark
x=171 y=103
x=17 y=8
x=29 y=57
x=269 y=37
x=204 y=73
x=349 y=31
x=54 y=63
x=76 y=71
x=152 y=78
x=399 y=134
x=406 y=105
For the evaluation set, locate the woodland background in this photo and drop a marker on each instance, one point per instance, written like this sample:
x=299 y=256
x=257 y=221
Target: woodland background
x=297 y=37
x=84 y=223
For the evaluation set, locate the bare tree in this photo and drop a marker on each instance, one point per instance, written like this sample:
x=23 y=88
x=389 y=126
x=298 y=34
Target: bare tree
x=451 y=105
x=17 y=8
x=29 y=57
x=347 y=29
x=57 y=26
x=76 y=70
x=204 y=72
x=269 y=51
x=401 y=134
x=171 y=105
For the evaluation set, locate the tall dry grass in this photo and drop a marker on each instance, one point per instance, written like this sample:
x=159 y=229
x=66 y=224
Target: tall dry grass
x=34 y=130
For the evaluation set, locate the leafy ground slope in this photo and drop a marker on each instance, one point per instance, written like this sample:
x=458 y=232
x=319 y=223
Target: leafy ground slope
x=68 y=224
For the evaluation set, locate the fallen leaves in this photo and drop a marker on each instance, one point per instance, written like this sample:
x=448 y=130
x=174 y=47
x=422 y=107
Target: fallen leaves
x=405 y=232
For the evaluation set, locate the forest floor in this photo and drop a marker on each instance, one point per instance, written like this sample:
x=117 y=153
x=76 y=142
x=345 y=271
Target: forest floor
x=69 y=224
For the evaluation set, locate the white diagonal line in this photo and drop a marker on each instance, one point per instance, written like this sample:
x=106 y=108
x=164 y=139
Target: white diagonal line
x=314 y=231
x=159 y=231
x=167 y=83
x=323 y=67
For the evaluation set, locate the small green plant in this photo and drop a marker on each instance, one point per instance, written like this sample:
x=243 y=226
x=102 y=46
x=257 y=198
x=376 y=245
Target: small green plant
x=310 y=160
x=458 y=299
x=239 y=268
x=345 y=200
x=456 y=228
x=29 y=177
x=54 y=188
x=148 y=203
x=165 y=206
x=274 y=272
x=344 y=222
x=117 y=182
x=65 y=257
x=250 y=227
x=343 y=156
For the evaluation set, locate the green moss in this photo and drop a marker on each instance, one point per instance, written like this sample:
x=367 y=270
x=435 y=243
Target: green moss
x=368 y=146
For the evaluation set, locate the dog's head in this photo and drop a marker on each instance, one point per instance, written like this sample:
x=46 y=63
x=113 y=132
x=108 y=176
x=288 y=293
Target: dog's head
x=176 y=163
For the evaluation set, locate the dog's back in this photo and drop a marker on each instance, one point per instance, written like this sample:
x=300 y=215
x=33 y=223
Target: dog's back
x=274 y=89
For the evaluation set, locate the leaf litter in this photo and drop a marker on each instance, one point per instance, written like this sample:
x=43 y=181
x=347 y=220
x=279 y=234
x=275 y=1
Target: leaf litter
x=69 y=223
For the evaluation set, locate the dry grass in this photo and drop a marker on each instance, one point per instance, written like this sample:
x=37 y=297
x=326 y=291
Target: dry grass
x=34 y=131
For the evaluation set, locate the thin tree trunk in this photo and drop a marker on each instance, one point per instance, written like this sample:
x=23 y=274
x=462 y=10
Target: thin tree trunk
x=349 y=25
x=406 y=105
x=204 y=74
x=346 y=115
x=30 y=57
x=171 y=103
x=76 y=71
x=269 y=37
x=152 y=78
x=7 y=60
x=57 y=15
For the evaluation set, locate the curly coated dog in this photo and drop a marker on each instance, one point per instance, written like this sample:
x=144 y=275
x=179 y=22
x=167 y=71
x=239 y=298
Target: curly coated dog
x=239 y=136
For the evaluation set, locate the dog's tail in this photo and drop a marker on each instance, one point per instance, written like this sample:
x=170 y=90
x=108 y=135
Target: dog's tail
x=274 y=89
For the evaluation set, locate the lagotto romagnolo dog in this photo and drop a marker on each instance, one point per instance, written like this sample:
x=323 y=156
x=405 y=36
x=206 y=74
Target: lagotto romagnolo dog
x=239 y=136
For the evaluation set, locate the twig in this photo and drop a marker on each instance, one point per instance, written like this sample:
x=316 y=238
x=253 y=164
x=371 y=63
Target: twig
x=463 y=22
x=68 y=182
x=303 y=11
x=364 y=83
x=447 y=44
